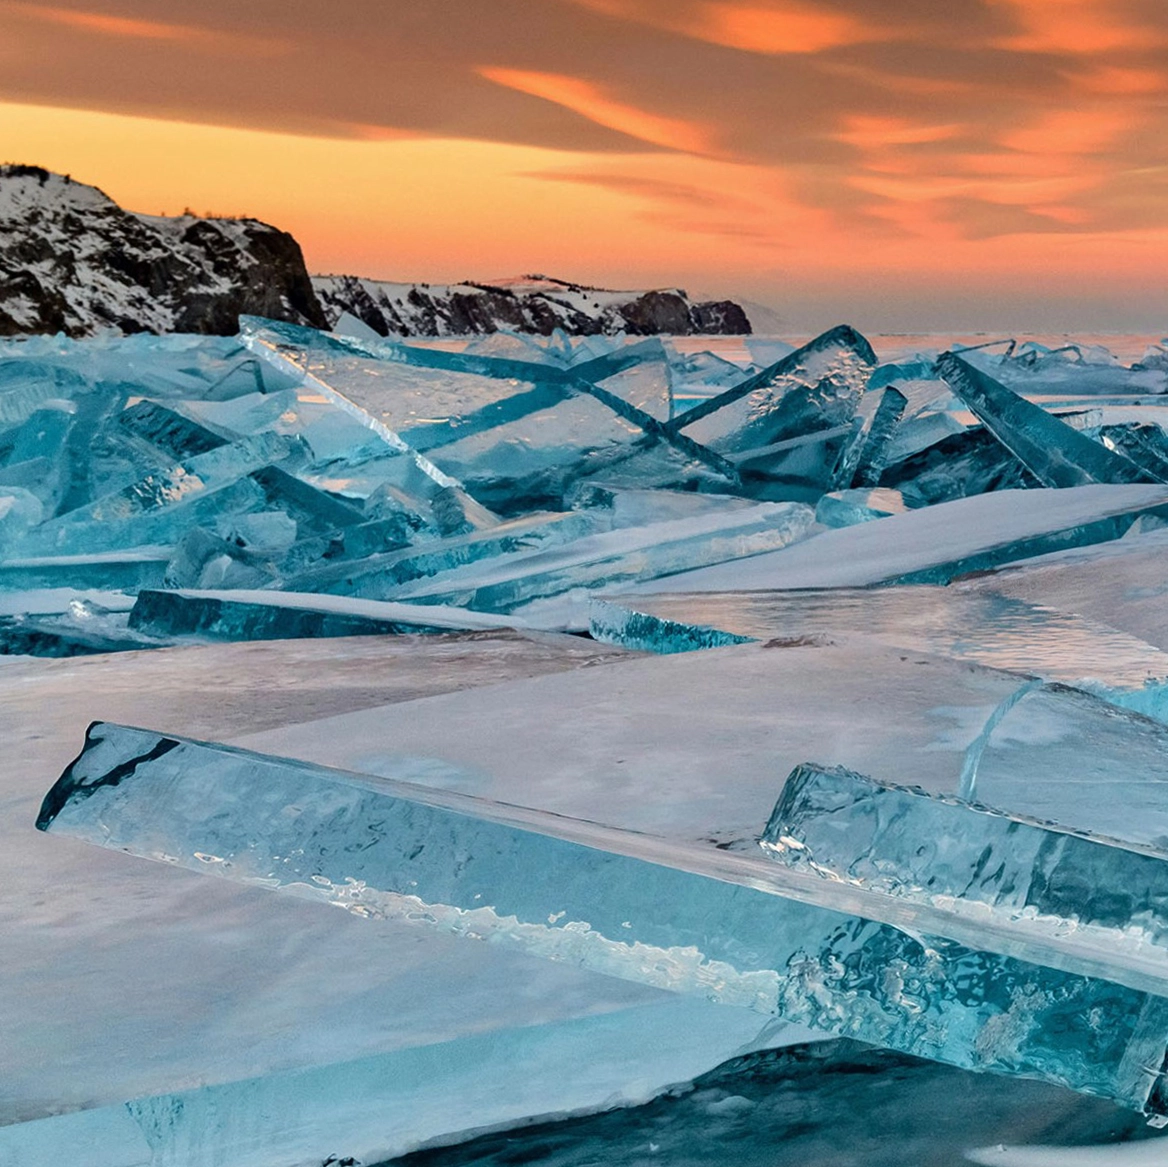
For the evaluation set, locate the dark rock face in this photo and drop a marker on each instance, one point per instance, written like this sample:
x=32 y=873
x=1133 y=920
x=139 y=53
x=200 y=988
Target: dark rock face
x=72 y=261
x=534 y=304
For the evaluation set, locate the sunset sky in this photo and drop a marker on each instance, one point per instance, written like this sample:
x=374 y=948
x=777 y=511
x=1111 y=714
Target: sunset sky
x=903 y=164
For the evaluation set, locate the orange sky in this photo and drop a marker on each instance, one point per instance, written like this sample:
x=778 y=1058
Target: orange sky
x=905 y=164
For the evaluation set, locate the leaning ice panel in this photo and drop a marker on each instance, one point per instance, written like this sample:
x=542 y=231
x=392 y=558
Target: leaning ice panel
x=817 y=387
x=736 y=930
x=1054 y=452
x=935 y=849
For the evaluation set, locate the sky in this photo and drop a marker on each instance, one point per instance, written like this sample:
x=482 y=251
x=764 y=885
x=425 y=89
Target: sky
x=906 y=165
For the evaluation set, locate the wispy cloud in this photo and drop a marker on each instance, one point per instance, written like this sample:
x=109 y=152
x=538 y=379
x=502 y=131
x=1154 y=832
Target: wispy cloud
x=772 y=27
x=132 y=28
x=593 y=103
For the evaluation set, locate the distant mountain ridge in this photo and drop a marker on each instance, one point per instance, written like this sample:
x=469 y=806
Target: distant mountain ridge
x=536 y=304
x=73 y=261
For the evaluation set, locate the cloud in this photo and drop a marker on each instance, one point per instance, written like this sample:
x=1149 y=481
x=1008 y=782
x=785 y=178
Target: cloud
x=1077 y=26
x=132 y=28
x=862 y=119
x=775 y=27
x=591 y=102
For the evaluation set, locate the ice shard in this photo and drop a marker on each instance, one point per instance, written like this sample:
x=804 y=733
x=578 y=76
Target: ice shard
x=170 y=431
x=935 y=849
x=936 y=544
x=872 y=451
x=737 y=930
x=400 y=465
x=239 y=614
x=959 y=465
x=845 y=508
x=621 y=557
x=817 y=387
x=126 y=570
x=1057 y=454
x=380 y=575
x=83 y=535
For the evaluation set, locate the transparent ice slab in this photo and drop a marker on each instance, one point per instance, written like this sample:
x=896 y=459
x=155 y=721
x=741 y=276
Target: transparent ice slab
x=171 y=431
x=935 y=544
x=1057 y=454
x=734 y=929
x=123 y=571
x=935 y=849
x=374 y=1108
x=980 y=626
x=267 y=615
x=865 y=458
x=625 y=556
x=156 y=492
x=817 y=387
x=967 y=463
x=162 y=526
x=402 y=466
x=1031 y=369
x=173 y=982
x=379 y=576
x=845 y=508
x=531 y=462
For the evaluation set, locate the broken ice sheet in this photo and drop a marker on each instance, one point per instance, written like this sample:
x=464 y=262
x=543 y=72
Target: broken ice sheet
x=733 y=928
x=176 y=982
x=845 y=508
x=940 y=850
x=1057 y=454
x=971 y=625
x=531 y=462
x=817 y=387
x=935 y=544
x=378 y=576
x=1086 y=370
x=614 y=558
x=240 y=614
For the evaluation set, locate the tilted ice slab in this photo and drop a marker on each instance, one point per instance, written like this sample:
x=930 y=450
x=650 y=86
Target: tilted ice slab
x=692 y=919
x=248 y=1028
x=817 y=387
x=523 y=431
x=404 y=467
x=1057 y=454
x=624 y=556
x=940 y=850
x=268 y=615
x=935 y=544
x=968 y=625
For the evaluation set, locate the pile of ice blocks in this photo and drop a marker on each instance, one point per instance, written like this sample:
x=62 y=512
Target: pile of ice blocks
x=915 y=794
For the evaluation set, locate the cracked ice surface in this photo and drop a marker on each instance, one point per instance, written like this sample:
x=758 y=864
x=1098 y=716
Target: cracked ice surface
x=981 y=628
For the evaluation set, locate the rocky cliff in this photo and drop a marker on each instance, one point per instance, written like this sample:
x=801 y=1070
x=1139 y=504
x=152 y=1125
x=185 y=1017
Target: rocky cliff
x=525 y=304
x=72 y=261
